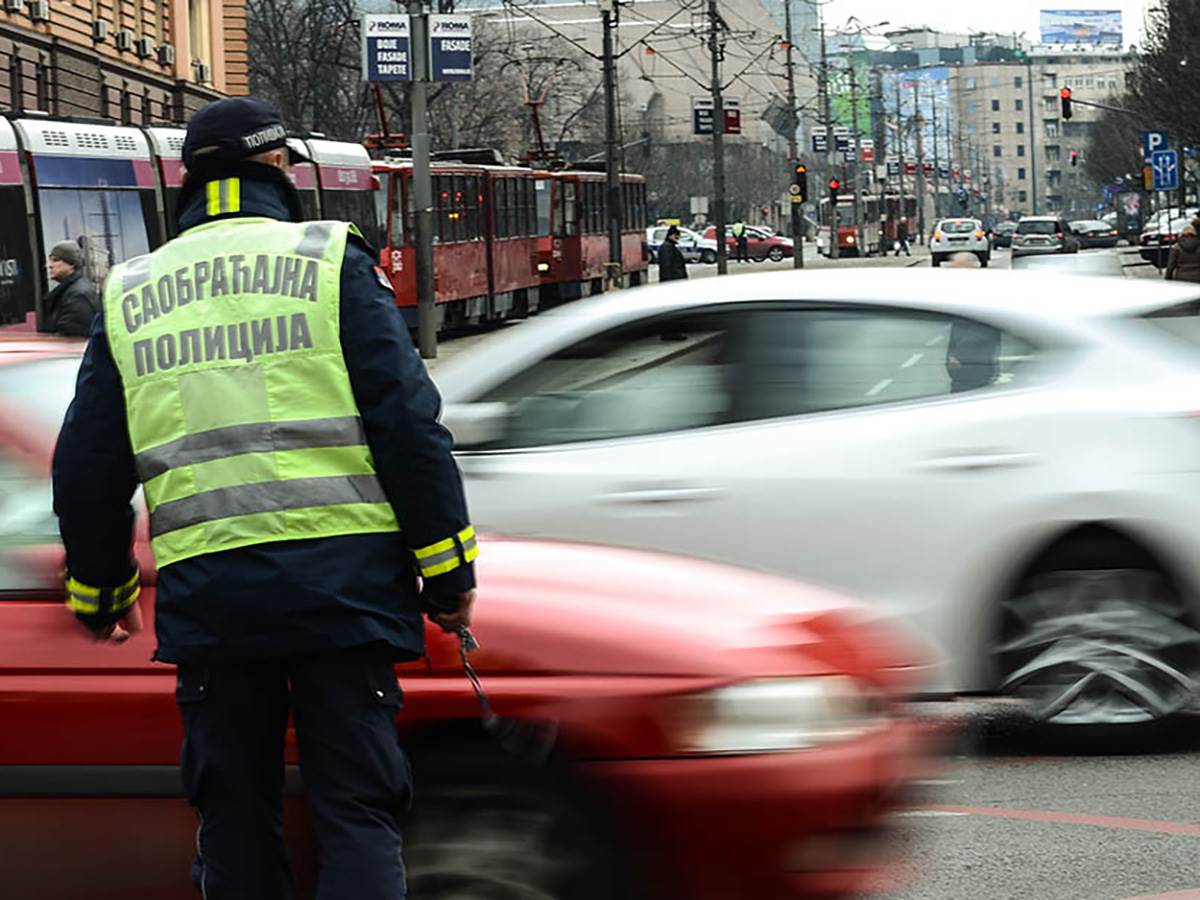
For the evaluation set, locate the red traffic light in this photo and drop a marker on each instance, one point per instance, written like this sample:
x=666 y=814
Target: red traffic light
x=1065 y=93
x=834 y=184
x=1065 y=96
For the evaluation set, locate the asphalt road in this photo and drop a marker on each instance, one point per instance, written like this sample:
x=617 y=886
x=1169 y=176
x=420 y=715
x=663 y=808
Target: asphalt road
x=997 y=823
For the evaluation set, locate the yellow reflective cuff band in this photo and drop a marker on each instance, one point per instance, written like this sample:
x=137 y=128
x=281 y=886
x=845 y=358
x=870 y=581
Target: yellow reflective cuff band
x=84 y=598
x=213 y=191
x=441 y=546
x=462 y=549
x=441 y=568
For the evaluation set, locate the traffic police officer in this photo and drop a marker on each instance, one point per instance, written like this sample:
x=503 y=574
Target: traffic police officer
x=255 y=376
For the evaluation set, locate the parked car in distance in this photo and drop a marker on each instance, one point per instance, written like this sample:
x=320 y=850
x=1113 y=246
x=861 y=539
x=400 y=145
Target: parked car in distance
x=1011 y=463
x=1156 y=243
x=1094 y=233
x=692 y=246
x=762 y=243
x=1043 y=234
x=1002 y=234
x=653 y=683
x=951 y=236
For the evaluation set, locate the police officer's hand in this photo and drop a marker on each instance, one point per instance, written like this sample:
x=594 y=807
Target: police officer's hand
x=454 y=612
x=116 y=632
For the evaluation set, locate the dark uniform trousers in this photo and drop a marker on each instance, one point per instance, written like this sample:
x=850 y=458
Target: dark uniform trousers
x=356 y=776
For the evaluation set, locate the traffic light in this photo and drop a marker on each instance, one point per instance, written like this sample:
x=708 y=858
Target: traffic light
x=834 y=187
x=800 y=179
x=1065 y=95
x=1074 y=157
x=1147 y=177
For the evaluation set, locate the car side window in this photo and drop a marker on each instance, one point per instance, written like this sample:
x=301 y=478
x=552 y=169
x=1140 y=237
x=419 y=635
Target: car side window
x=800 y=361
x=667 y=374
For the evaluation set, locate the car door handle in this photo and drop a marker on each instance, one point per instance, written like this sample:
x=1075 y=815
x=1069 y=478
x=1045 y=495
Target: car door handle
x=661 y=495
x=977 y=461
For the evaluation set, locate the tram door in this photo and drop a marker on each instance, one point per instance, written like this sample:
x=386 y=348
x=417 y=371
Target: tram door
x=19 y=268
x=167 y=146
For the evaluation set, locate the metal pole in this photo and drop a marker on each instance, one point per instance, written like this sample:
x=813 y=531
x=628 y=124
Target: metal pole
x=718 y=135
x=854 y=174
x=919 y=125
x=422 y=183
x=793 y=151
x=900 y=144
x=1033 y=160
x=830 y=144
x=612 y=165
x=937 y=160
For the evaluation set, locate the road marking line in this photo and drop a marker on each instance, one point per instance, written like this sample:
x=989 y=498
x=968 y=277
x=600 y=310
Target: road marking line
x=937 y=340
x=879 y=387
x=937 y=782
x=1189 y=829
x=928 y=814
x=913 y=360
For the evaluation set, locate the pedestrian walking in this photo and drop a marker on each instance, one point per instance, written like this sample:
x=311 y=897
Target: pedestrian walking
x=1183 y=263
x=902 y=236
x=72 y=306
x=671 y=264
x=255 y=376
x=743 y=242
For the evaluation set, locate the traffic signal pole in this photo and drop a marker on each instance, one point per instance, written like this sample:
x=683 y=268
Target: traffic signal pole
x=422 y=184
x=614 y=277
x=797 y=208
x=715 y=49
x=830 y=143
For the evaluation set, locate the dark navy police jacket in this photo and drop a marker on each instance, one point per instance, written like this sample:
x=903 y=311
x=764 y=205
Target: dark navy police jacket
x=288 y=597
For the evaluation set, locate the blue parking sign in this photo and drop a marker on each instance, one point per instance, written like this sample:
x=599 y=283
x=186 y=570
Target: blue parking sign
x=1153 y=141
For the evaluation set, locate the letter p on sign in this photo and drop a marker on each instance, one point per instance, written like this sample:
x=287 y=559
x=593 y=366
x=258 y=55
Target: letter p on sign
x=1154 y=140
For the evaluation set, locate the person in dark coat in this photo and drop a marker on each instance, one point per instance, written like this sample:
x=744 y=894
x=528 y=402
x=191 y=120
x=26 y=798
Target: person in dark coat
x=902 y=237
x=671 y=266
x=73 y=304
x=1184 y=262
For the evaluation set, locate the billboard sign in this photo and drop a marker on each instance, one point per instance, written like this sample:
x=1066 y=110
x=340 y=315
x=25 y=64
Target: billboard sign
x=1081 y=26
x=924 y=98
x=450 y=48
x=702 y=115
x=386 y=48
x=820 y=139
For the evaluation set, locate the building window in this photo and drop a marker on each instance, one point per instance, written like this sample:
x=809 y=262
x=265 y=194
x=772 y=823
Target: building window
x=1022 y=197
x=1020 y=128
x=995 y=106
x=970 y=86
x=1020 y=149
x=1053 y=154
x=1049 y=82
x=1018 y=82
x=972 y=106
x=1050 y=105
x=997 y=151
x=201 y=31
x=995 y=128
x=1020 y=105
x=995 y=82
x=1020 y=174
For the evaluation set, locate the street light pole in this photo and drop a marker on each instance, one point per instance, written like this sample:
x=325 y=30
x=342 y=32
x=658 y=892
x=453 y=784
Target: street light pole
x=422 y=183
x=830 y=143
x=715 y=50
x=857 y=143
x=614 y=276
x=793 y=151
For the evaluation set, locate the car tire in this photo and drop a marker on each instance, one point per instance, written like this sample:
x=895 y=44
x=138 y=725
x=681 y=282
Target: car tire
x=496 y=830
x=937 y=261
x=1098 y=640
x=653 y=257
x=775 y=254
x=708 y=257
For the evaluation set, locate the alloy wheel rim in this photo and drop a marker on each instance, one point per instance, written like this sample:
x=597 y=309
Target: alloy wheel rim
x=1100 y=647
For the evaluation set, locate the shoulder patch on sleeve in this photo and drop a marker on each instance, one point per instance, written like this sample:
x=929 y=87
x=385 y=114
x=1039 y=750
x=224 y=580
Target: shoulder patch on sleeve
x=383 y=279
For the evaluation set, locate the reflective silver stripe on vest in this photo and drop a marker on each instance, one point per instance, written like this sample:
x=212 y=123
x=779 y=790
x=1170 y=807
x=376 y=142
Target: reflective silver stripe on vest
x=269 y=496
x=264 y=437
x=135 y=273
x=317 y=236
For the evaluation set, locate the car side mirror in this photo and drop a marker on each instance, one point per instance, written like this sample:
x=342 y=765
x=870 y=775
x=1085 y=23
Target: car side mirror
x=476 y=424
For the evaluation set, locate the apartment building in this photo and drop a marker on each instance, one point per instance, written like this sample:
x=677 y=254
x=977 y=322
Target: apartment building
x=133 y=61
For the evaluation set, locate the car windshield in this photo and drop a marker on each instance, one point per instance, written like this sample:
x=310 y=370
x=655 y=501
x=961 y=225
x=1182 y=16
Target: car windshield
x=958 y=226
x=1038 y=226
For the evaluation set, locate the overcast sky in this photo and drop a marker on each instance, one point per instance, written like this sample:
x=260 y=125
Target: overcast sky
x=970 y=15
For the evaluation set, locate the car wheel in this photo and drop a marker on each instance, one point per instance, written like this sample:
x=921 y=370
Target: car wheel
x=708 y=257
x=775 y=253
x=937 y=261
x=1097 y=636
x=510 y=839
x=653 y=257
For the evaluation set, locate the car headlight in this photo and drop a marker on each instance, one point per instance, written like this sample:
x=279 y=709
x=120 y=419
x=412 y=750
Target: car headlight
x=776 y=714
x=849 y=239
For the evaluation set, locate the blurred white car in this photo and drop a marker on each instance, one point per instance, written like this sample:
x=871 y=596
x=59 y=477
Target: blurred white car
x=1010 y=462
x=951 y=236
x=692 y=246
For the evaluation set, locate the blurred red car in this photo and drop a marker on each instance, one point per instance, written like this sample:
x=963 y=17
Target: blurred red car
x=761 y=243
x=711 y=733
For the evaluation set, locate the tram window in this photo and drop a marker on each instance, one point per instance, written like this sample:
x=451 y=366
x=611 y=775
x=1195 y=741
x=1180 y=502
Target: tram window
x=542 y=202
x=358 y=207
x=570 y=210
x=109 y=226
x=442 y=186
x=498 y=209
x=17 y=269
x=471 y=201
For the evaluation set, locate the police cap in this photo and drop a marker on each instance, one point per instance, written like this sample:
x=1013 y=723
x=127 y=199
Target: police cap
x=229 y=130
